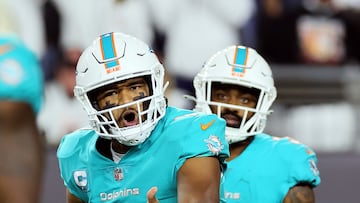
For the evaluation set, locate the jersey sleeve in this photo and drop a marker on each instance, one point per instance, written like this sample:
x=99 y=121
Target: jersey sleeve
x=303 y=167
x=21 y=78
x=306 y=170
x=72 y=165
x=204 y=136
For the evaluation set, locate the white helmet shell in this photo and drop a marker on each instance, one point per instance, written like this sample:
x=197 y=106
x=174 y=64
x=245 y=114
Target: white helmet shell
x=243 y=66
x=114 y=57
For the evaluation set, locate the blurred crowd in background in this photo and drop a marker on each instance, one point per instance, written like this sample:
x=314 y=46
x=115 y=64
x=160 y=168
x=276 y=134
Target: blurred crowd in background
x=291 y=35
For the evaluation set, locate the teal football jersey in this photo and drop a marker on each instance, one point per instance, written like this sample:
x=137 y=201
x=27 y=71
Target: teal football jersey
x=180 y=135
x=267 y=169
x=21 y=77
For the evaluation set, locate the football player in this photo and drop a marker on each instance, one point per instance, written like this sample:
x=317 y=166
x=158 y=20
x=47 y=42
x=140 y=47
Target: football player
x=237 y=85
x=136 y=141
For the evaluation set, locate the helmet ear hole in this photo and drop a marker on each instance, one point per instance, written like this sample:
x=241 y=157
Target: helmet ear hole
x=272 y=94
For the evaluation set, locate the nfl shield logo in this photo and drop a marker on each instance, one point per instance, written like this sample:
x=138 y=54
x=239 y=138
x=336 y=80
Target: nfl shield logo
x=118 y=174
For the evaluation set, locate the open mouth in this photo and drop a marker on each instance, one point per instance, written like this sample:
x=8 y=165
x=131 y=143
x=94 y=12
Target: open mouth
x=232 y=120
x=130 y=118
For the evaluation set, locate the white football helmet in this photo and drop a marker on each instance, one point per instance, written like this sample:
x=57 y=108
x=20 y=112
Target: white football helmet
x=114 y=57
x=243 y=66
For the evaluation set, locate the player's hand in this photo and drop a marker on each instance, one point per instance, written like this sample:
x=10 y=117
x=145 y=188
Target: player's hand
x=151 y=195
